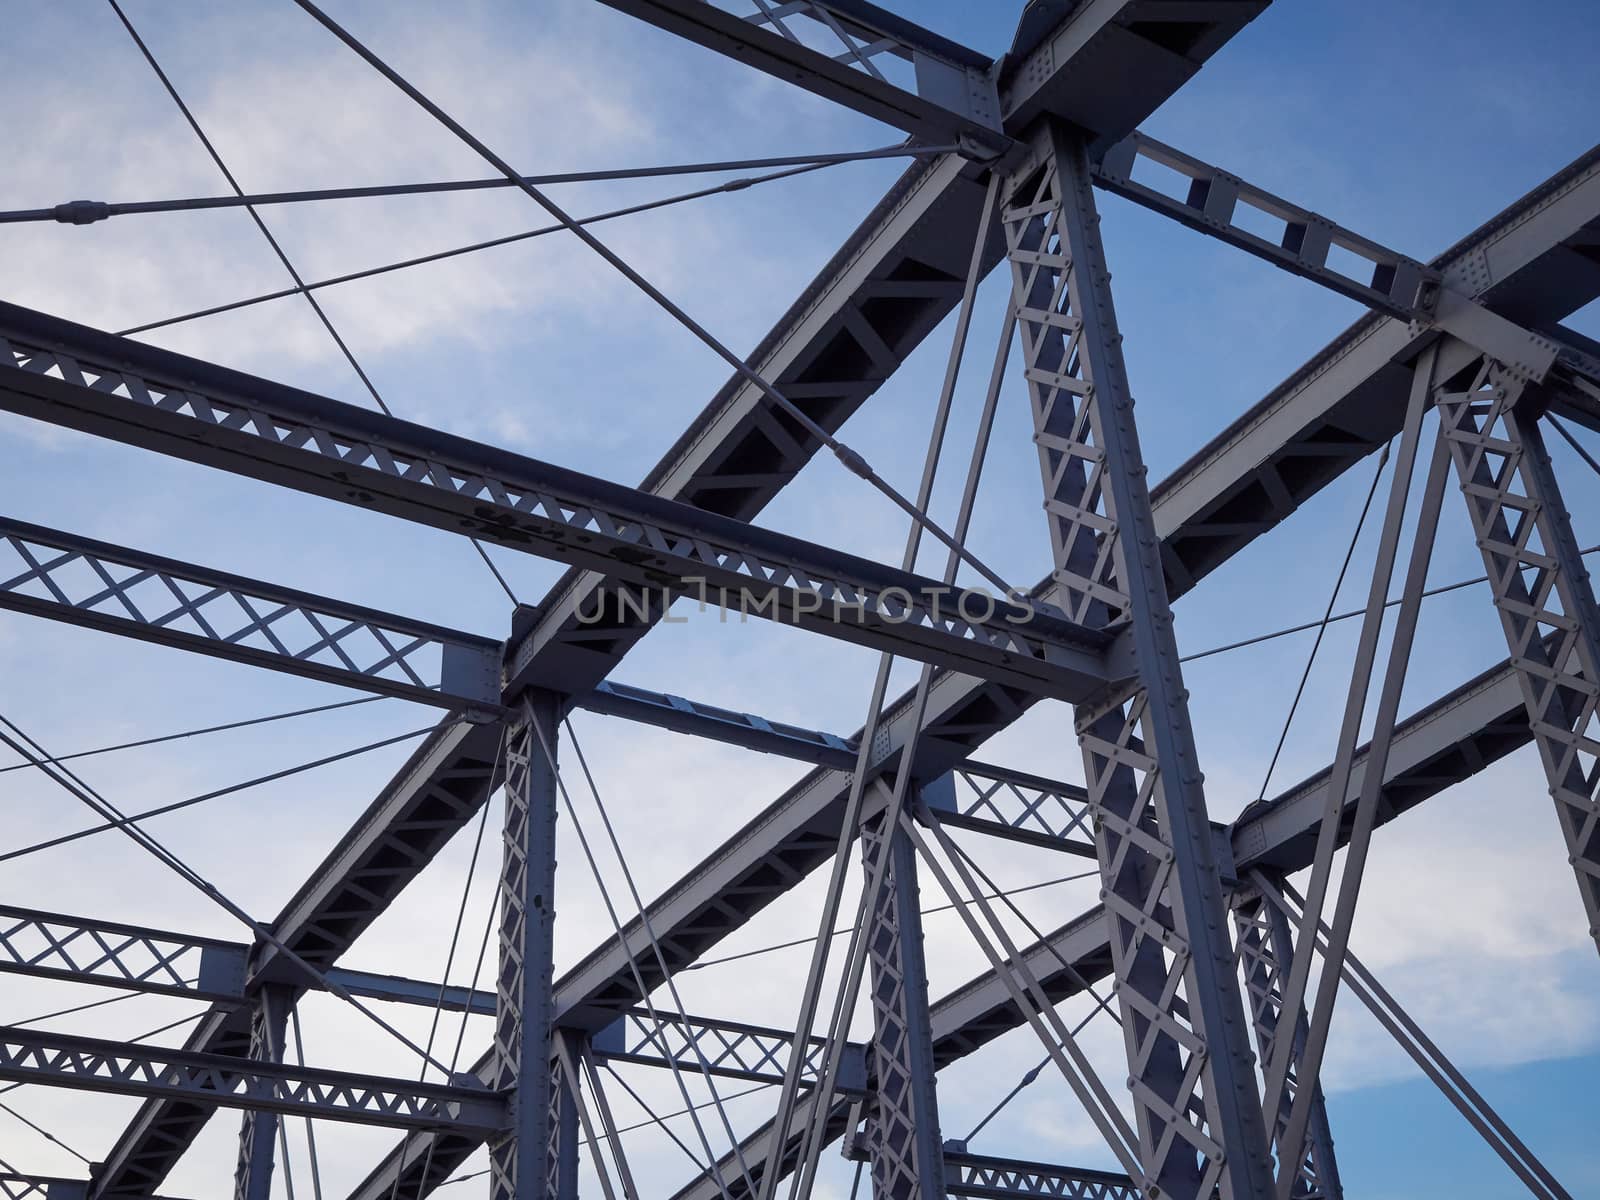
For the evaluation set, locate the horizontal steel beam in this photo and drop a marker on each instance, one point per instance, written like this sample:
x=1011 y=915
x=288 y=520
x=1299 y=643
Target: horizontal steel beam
x=114 y=954
x=728 y=1048
x=70 y=375
x=1227 y=207
x=135 y=1069
x=733 y=728
x=986 y=1178
x=1016 y=806
x=65 y=577
x=955 y=96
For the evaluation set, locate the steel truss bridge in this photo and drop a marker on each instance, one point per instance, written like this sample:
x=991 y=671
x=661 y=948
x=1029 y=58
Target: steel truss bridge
x=1462 y=363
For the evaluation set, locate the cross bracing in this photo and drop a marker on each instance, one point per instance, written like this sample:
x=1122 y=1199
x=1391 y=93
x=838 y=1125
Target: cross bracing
x=1476 y=336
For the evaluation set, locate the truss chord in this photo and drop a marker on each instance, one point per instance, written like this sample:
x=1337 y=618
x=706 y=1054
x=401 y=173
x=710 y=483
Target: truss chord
x=294 y=274
x=471 y=248
x=231 y=789
x=86 y=212
x=1322 y=626
x=75 y=786
x=619 y=933
x=649 y=932
x=852 y=461
x=188 y=733
x=918 y=1170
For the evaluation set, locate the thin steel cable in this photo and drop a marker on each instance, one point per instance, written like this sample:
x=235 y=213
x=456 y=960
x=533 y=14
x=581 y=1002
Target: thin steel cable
x=851 y=460
x=1322 y=627
x=160 y=1029
x=1038 y=934
x=78 y=1008
x=659 y=1121
x=733 y=185
x=85 y=794
x=844 y=929
x=1561 y=428
x=231 y=789
x=1030 y=1076
x=71 y=212
x=855 y=1184
x=638 y=977
x=294 y=274
x=189 y=733
x=44 y=1133
x=311 y=1135
x=1345 y=616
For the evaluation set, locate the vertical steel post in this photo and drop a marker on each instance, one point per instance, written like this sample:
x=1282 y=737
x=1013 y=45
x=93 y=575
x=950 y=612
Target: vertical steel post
x=258 y=1131
x=1543 y=594
x=522 y=1165
x=907 y=1151
x=563 y=1136
x=1266 y=948
x=1191 y=1073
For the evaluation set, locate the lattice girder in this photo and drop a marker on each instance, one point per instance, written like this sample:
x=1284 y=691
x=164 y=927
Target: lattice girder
x=905 y=1144
x=1541 y=591
x=1191 y=1074
x=1266 y=948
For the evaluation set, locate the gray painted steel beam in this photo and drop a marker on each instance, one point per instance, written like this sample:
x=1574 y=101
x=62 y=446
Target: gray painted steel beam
x=433 y=794
x=955 y=96
x=91 y=1064
x=731 y=1049
x=985 y=1178
x=258 y=1128
x=42 y=1187
x=49 y=573
x=525 y=1158
x=74 y=376
x=1532 y=263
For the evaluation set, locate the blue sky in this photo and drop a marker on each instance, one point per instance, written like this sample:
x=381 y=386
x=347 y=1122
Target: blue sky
x=1410 y=123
